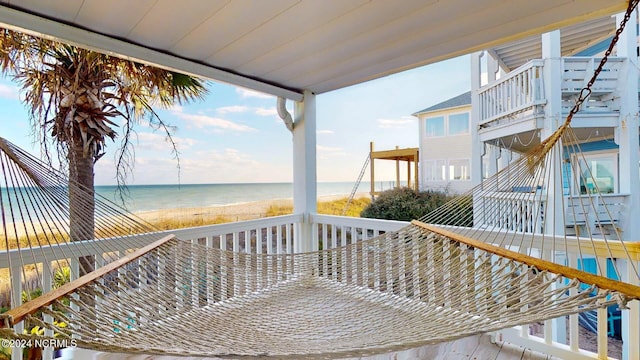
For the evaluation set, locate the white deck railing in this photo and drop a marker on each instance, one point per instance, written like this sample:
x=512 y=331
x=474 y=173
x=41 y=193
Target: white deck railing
x=519 y=91
x=276 y=236
x=512 y=211
x=576 y=73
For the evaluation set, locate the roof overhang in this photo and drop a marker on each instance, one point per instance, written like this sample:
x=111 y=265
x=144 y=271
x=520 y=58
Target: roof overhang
x=573 y=39
x=283 y=47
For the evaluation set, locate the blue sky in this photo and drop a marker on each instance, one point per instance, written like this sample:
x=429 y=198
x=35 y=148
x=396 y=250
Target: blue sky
x=235 y=135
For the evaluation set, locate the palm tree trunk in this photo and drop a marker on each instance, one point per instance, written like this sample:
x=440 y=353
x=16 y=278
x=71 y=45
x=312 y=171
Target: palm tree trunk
x=81 y=200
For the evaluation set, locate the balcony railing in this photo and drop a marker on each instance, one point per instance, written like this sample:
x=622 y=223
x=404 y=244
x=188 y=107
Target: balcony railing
x=277 y=235
x=512 y=211
x=519 y=91
x=576 y=73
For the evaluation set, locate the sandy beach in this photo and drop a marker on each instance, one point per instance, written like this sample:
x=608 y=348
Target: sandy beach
x=233 y=212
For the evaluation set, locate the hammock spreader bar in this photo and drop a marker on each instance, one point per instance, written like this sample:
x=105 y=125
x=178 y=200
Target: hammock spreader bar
x=601 y=282
x=17 y=314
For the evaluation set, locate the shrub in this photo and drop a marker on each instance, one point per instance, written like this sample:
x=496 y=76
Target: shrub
x=404 y=204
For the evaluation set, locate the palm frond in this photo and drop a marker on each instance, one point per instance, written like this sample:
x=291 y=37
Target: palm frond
x=73 y=94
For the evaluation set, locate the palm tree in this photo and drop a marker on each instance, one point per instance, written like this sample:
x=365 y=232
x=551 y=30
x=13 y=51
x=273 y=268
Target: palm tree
x=74 y=96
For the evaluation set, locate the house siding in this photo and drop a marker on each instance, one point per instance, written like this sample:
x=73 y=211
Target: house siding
x=447 y=148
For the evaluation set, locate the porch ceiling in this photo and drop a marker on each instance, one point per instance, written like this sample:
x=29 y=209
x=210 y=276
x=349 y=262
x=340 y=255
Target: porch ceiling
x=285 y=46
x=574 y=39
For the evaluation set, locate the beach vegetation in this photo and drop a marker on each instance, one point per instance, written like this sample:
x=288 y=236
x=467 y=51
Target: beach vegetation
x=186 y=222
x=406 y=204
x=333 y=207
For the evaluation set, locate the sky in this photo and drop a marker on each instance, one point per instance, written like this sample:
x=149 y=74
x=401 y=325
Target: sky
x=236 y=136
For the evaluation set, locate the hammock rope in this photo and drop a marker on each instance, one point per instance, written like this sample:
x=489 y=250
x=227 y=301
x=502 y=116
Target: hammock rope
x=420 y=285
x=498 y=256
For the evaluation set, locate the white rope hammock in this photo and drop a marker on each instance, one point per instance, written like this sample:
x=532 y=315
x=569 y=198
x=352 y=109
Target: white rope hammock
x=496 y=257
x=420 y=285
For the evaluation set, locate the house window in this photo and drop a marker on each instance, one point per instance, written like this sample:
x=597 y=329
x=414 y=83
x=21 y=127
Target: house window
x=435 y=126
x=459 y=170
x=459 y=124
x=435 y=170
x=597 y=172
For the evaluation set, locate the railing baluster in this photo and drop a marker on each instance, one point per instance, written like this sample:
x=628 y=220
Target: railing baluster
x=259 y=260
x=325 y=247
x=224 y=270
x=269 y=242
x=248 y=250
x=47 y=352
x=355 y=255
x=602 y=320
x=574 y=336
x=210 y=272
x=279 y=260
x=16 y=300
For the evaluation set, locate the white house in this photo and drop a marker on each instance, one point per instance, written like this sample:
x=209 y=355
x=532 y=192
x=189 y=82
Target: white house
x=521 y=93
x=531 y=86
x=445 y=145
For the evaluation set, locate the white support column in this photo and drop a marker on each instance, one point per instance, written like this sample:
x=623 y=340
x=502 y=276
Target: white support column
x=627 y=130
x=627 y=139
x=304 y=169
x=552 y=75
x=477 y=147
x=631 y=316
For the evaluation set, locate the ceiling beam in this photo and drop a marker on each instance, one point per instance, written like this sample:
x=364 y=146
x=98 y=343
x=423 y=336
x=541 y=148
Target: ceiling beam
x=39 y=26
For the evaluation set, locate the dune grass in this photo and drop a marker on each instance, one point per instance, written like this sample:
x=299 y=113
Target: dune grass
x=180 y=223
x=333 y=207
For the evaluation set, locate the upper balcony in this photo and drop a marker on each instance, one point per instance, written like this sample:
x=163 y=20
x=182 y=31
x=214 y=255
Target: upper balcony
x=515 y=103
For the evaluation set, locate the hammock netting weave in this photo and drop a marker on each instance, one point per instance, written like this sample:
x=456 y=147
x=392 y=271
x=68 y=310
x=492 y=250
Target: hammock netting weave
x=435 y=280
x=512 y=251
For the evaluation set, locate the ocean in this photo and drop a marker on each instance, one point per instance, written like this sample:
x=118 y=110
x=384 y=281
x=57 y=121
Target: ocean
x=156 y=197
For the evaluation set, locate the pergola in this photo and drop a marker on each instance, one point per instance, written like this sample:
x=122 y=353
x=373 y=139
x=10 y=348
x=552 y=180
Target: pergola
x=295 y=49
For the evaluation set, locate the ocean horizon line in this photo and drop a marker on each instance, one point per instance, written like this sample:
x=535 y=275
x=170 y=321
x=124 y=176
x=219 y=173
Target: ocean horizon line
x=244 y=183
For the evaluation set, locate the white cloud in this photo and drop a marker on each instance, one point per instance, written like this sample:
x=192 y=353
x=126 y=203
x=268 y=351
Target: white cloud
x=328 y=148
x=395 y=123
x=325 y=152
x=230 y=165
x=245 y=93
x=204 y=122
x=176 y=108
x=232 y=109
x=324 y=132
x=266 y=111
x=158 y=142
x=9 y=92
